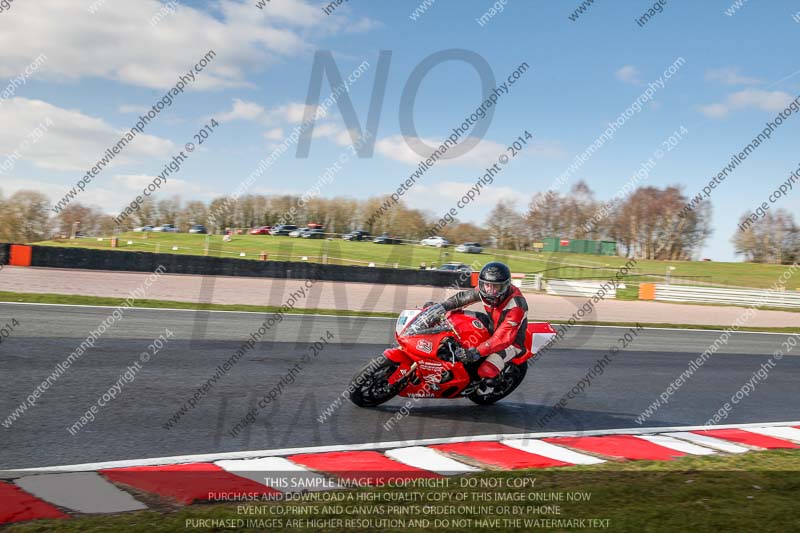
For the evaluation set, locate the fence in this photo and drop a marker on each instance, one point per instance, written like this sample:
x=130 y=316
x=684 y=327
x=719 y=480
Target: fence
x=568 y=287
x=683 y=293
x=531 y=282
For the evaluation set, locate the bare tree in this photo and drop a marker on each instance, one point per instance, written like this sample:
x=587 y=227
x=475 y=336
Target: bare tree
x=651 y=224
x=194 y=213
x=554 y=215
x=25 y=217
x=168 y=210
x=465 y=232
x=775 y=238
x=88 y=220
x=506 y=227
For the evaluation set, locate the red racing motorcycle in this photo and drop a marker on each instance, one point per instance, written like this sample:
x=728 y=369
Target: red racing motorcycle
x=425 y=363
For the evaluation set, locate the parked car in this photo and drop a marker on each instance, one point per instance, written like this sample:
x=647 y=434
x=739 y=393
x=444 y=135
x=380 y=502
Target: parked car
x=313 y=233
x=144 y=228
x=357 y=235
x=385 y=239
x=198 y=228
x=455 y=267
x=282 y=229
x=262 y=230
x=299 y=232
x=439 y=242
x=469 y=248
x=166 y=228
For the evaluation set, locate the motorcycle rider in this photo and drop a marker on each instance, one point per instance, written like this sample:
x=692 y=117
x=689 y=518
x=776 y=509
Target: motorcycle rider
x=507 y=321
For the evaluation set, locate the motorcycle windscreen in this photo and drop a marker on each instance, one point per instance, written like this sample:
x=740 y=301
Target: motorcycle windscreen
x=405 y=318
x=430 y=320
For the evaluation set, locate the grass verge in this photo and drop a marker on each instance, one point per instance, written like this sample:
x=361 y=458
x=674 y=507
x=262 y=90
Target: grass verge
x=337 y=251
x=76 y=299
x=756 y=491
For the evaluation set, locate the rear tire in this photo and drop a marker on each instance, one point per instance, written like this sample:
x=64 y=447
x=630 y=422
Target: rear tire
x=370 y=386
x=507 y=382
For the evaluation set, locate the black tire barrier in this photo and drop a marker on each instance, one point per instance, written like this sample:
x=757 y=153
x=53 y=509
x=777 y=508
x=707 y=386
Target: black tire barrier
x=84 y=258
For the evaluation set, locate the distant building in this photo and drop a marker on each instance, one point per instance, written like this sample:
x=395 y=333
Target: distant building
x=578 y=246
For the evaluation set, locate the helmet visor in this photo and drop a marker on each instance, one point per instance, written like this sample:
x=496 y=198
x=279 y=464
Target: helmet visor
x=493 y=289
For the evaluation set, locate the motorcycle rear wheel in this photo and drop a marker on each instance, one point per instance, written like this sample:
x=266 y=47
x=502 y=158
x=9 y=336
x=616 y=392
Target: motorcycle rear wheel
x=370 y=386
x=509 y=380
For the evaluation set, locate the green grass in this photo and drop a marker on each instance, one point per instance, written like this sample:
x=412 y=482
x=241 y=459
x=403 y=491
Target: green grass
x=76 y=299
x=756 y=491
x=338 y=251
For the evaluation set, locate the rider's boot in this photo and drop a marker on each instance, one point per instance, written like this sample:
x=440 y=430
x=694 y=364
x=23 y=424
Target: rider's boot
x=488 y=373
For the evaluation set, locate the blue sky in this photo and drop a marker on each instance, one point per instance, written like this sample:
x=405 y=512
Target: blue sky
x=102 y=68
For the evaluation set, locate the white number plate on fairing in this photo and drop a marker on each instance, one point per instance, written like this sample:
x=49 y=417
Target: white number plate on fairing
x=404 y=318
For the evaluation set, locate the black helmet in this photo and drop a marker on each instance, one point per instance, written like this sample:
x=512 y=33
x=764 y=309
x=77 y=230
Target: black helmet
x=493 y=283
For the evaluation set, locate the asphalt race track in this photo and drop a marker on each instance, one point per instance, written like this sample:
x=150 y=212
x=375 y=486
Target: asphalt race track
x=131 y=426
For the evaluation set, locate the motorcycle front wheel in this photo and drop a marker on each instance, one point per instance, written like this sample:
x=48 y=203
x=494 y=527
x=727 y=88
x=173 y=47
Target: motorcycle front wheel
x=508 y=380
x=370 y=386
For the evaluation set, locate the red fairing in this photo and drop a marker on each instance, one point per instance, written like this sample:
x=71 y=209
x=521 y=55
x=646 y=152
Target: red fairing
x=488 y=371
x=533 y=328
x=471 y=331
x=445 y=377
x=396 y=355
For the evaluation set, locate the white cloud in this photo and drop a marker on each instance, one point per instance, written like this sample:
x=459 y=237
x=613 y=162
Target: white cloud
x=118 y=43
x=114 y=194
x=325 y=129
x=396 y=148
x=73 y=142
x=771 y=101
x=284 y=116
x=714 y=110
x=628 y=74
x=274 y=134
x=242 y=110
x=345 y=137
x=730 y=76
x=293 y=112
x=362 y=25
x=483 y=154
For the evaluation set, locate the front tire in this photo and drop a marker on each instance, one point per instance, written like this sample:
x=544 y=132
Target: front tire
x=507 y=382
x=370 y=386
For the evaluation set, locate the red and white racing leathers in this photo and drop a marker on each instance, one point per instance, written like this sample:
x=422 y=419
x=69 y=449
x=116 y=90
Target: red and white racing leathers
x=509 y=320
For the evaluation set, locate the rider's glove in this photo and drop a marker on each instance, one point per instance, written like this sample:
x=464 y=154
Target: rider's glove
x=470 y=355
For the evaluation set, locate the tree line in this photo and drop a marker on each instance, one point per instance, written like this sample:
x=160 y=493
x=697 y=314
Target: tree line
x=645 y=224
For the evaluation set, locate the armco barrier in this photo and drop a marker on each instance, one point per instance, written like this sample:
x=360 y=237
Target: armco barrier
x=746 y=297
x=83 y=258
x=568 y=287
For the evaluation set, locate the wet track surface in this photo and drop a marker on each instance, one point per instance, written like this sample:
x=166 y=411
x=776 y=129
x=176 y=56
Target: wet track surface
x=132 y=425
